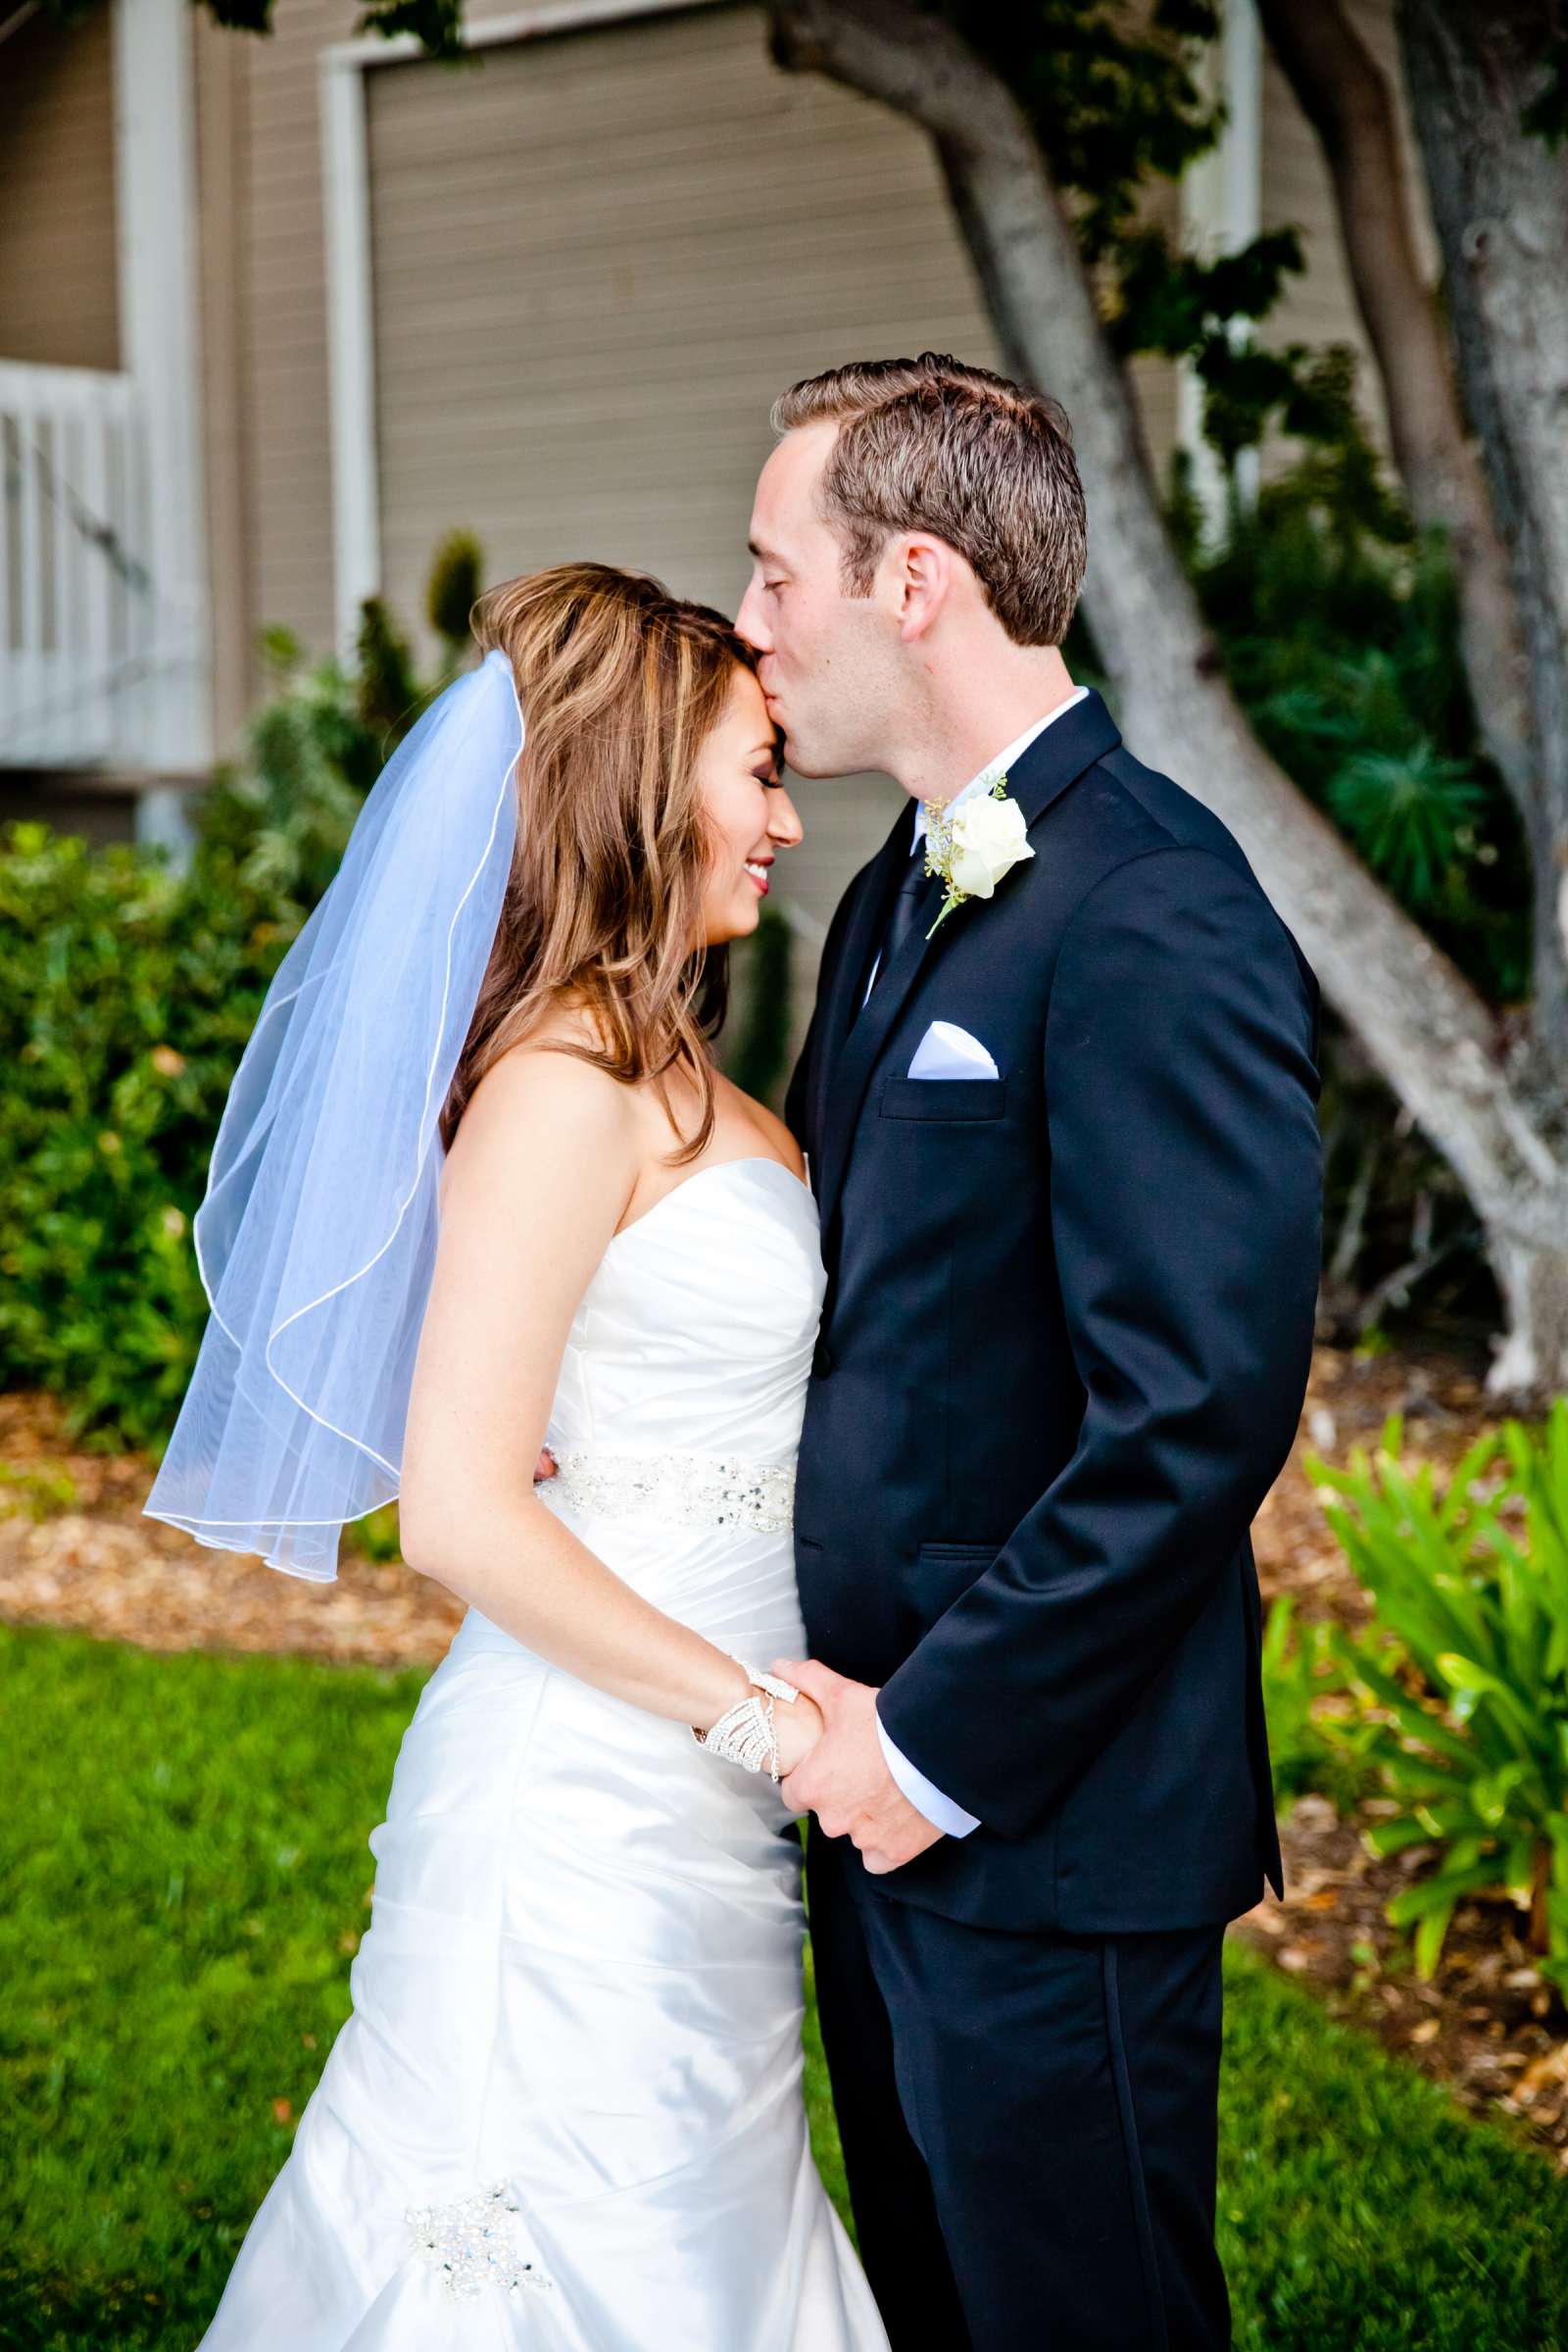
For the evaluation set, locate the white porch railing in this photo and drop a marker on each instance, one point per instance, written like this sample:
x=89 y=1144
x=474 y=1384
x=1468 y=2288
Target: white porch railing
x=86 y=664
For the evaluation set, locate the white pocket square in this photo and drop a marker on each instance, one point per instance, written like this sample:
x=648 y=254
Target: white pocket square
x=948 y=1051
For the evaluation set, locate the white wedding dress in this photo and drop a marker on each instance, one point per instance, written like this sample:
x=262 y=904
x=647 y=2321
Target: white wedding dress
x=565 y=2114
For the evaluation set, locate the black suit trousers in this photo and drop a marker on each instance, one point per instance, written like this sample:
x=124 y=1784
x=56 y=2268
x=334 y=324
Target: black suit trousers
x=1028 y=2123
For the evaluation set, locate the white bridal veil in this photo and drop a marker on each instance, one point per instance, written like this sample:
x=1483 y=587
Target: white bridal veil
x=316 y=1236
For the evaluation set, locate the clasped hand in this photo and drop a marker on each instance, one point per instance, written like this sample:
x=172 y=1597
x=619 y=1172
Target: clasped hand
x=843 y=1780
x=839 y=1773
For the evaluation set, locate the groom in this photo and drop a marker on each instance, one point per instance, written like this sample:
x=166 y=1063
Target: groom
x=1065 y=1151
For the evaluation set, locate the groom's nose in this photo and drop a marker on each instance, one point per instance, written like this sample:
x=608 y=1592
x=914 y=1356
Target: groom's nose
x=749 y=621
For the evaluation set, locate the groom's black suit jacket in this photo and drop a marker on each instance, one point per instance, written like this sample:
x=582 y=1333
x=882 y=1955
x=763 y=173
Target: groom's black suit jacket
x=1065 y=1343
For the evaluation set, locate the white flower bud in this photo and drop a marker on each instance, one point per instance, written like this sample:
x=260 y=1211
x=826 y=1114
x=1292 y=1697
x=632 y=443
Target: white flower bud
x=988 y=839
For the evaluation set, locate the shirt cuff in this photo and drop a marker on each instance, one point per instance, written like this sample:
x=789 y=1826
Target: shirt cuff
x=939 y=1810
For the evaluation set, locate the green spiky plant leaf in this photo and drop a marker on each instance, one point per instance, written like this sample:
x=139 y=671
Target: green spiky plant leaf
x=1460 y=1684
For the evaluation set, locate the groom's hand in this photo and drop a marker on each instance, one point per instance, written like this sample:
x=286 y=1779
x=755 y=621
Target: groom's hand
x=845 y=1779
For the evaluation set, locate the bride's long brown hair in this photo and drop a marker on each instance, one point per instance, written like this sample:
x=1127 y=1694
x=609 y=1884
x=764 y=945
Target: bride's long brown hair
x=620 y=684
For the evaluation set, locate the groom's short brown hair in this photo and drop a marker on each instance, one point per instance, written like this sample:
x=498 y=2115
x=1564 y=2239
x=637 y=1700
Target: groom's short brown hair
x=933 y=445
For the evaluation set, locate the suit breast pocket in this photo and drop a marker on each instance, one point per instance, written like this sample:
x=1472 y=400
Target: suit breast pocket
x=965 y=1100
x=942 y=1571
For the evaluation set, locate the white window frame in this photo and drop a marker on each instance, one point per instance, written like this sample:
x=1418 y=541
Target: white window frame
x=1222 y=211
x=350 y=302
x=160 y=346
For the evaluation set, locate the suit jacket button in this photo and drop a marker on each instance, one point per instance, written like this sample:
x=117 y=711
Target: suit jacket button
x=823 y=1360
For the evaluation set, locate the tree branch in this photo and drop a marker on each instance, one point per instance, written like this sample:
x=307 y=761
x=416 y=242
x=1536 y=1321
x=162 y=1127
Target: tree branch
x=1425 y=1028
x=1345 y=94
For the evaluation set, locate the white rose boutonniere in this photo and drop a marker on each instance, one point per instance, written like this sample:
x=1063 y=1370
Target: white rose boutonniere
x=977 y=845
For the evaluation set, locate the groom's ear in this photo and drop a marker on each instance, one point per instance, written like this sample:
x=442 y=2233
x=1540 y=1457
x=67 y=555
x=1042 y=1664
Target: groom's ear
x=922 y=580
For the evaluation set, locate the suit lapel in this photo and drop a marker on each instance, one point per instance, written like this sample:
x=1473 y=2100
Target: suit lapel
x=845 y=985
x=855 y=1040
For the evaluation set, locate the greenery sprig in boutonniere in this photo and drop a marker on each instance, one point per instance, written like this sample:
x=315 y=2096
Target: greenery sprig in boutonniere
x=973 y=848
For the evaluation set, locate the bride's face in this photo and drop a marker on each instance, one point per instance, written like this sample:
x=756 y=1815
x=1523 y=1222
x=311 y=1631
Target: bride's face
x=749 y=814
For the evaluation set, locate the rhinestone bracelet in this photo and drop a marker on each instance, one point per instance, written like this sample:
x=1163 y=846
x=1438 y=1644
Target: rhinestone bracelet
x=744 y=1733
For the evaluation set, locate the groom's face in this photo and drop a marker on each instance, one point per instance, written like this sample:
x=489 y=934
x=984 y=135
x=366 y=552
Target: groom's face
x=828 y=663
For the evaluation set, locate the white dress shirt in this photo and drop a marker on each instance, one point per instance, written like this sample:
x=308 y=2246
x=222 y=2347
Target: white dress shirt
x=941 y=1811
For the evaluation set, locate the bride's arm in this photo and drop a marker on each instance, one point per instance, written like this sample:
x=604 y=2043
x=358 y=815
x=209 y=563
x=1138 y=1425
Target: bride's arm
x=538 y=1177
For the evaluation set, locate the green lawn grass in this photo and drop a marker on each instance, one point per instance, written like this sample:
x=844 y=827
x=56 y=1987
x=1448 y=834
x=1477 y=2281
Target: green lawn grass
x=184 y=1872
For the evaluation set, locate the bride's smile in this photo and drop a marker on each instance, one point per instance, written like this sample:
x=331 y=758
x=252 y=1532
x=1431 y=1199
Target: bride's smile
x=749 y=814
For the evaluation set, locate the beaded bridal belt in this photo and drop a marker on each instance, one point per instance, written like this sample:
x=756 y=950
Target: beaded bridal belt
x=679 y=1490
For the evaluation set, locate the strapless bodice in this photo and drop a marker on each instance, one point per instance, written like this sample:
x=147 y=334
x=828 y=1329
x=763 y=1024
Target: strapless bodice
x=695 y=1335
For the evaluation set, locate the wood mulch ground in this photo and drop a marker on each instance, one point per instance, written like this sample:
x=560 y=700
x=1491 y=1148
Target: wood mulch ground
x=76 y=1552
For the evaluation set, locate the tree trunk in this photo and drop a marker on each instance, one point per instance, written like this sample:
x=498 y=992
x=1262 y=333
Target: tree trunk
x=1423 y=1025
x=1499 y=202
x=1345 y=96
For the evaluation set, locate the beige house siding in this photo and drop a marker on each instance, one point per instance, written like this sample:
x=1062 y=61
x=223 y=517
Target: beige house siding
x=282 y=327
x=658 y=228
x=644 y=234
x=59 y=281
x=596 y=256
x=738 y=161
x=262 y=167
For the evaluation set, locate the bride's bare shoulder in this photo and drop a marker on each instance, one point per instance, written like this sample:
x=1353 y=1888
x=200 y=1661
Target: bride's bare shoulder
x=540 y=1092
x=775 y=1136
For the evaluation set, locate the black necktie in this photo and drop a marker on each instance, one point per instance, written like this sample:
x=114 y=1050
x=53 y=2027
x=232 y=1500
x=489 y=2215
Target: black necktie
x=905 y=907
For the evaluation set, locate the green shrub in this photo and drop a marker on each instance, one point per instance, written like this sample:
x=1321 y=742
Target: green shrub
x=126 y=994
x=457 y=577
x=1460 y=1685
x=1339 y=632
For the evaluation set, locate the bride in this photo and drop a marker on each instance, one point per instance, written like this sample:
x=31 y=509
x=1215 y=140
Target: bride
x=479 y=1189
